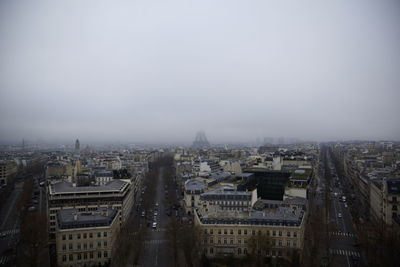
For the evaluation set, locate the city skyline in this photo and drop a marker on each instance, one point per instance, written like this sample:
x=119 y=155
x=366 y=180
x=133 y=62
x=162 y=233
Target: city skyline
x=138 y=72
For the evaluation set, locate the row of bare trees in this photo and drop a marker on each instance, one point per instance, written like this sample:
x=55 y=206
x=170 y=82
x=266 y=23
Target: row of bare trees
x=380 y=242
x=130 y=241
x=32 y=249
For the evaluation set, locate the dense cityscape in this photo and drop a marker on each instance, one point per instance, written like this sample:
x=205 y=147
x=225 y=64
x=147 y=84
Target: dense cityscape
x=271 y=204
x=212 y=133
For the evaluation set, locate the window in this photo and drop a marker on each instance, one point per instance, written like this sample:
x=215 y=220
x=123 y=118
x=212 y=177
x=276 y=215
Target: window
x=211 y=231
x=84 y=235
x=85 y=256
x=225 y=231
x=64 y=247
x=273 y=233
x=98 y=234
x=239 y=241
x=64 y=237
x=79 y=246
x=70 y=246
x=99 y=244
x=288 y=243
x=71 y=257
x=239 y=251
x=99 y=254
x=294 y=234
x=211 y=240
x=219 y=231
x=91 y=254
x=288 y=233
x=280 y=233
x=64 y=258
x=253 y=232
x=239 y=232
x=205 y=231
x=245 y=231
x=280 y=243
x=85 y=246
x=105 y=254
x=225 y=241
x=70 y=237
x=90 y=245
x=294 y=243
x=219 y=240
x=79 y=256
x=245 y=251
x=78 y=236
x=211 y=250
x=231 y=232
x=90 y=235
x=105 y=234
x=105 y=243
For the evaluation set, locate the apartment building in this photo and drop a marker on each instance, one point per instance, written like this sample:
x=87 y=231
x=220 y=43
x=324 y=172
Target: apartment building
x=7 y=169
x=116 y=194
x=228 y=198
x=385 y=201
x=86 y=238
x=230 y=232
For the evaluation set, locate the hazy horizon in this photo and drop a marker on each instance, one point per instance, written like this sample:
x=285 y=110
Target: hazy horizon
x=155 y=72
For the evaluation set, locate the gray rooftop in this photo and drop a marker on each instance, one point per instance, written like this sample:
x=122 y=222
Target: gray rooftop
x=195 y=185
x=67 y=187
x=71 y=218
x=279 y=215
x=225 y=192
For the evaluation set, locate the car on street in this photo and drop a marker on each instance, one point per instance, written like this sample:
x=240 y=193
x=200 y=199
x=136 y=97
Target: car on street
x=154 y=226
x=339 y=215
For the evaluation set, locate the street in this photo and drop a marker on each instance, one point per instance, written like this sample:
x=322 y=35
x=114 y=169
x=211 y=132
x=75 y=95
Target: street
x=9 y=228
x=156 y=244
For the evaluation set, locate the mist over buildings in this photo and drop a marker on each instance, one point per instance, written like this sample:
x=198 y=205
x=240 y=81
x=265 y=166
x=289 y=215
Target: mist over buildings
x=159 y=71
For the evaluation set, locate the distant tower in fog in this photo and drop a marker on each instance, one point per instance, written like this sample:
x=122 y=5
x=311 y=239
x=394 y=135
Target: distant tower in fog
x=201 y=140
x=77 y=147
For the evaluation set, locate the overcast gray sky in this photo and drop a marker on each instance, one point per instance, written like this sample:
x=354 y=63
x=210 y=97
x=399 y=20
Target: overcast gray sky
x=159 y=70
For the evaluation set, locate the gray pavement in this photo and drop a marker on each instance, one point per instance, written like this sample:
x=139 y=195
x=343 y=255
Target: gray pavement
x=156 y=243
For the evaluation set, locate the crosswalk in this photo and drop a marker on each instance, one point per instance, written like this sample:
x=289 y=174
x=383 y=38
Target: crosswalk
x=10 y=232
x=343 y=234
x=344 y=252
x=154 y=242
x=159 y=230
x=3 y=260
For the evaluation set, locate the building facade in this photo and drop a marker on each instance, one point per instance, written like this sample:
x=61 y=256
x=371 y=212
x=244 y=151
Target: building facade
x=117 y=194
x=86 y=239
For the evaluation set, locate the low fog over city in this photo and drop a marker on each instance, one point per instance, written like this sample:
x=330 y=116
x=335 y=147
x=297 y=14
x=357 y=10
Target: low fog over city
x=159 y=71
x=208 y=133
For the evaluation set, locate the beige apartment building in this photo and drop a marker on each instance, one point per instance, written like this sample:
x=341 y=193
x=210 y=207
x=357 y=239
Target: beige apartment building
x=385 y=201
x=86 y=239
x=7 y=169
x=229 y=232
